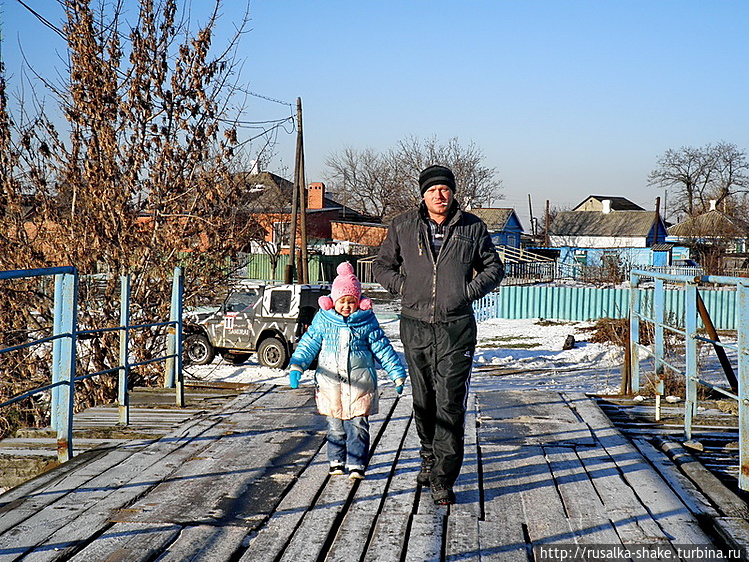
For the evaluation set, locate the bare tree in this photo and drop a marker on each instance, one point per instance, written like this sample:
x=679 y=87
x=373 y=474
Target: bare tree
x=732 y=171
x=367 y=181
x=139 y=181
x=476 y=183
x=385 y=184
x=698 y=175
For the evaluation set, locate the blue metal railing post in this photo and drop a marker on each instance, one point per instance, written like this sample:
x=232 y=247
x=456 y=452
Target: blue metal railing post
x=659 y=315
x=690 y=337
x=634 y=333
x=123 y=396
x=742 y=317
x=56 y=345
x=177 y=296
x=173 y=377
x=65 y=367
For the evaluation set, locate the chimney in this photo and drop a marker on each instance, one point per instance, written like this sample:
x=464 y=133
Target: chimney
x=713 y=204
x=606 y=206
x=316 y=195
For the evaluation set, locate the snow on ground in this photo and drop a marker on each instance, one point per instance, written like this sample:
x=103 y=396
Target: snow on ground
x=511 y=354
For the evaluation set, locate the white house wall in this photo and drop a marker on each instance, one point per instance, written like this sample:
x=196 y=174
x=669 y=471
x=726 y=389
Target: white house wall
x=598 y=241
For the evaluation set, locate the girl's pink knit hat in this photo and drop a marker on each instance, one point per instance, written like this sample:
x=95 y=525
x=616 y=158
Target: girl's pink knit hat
x=346 y=284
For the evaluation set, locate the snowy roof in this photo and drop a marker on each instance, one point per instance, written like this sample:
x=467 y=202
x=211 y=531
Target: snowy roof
x=617 y=203
x=595 y=223
x=711 y=224
x=495 y=218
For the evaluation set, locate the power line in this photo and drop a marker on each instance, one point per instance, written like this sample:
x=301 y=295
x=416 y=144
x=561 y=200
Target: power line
x=261 y=96
x=42 y=19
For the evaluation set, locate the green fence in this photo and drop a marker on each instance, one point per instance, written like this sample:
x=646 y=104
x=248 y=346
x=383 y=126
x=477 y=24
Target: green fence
x=322 y=269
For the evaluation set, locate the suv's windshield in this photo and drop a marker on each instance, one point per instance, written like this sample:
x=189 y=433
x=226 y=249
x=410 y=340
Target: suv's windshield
x=241 y=301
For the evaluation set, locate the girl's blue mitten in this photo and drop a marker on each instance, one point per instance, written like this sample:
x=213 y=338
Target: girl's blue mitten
x=294 y=377
x=399 y=385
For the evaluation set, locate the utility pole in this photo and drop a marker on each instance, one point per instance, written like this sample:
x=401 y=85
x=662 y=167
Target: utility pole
x=546 y=226
x=298 y=208
x=533 y=224
x=289 y=276
x=304 y=265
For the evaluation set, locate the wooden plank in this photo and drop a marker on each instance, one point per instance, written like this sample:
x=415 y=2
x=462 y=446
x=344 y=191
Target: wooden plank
x=462 y=539
x=681 y=484
x=425 y=540
x=726 y=500
x=735 y=532
x=576 y=489
x=401 y=495
x=310 y=538
x=630 y=518
x=127 y=542
x=502 y=540
x=82 y=512
x=216 y=480
x=585 y=511
x=205 y=543
x=663 y=505
x=39 y=486
x=307 y=528
x=501 y=534
x=389 y=537
x=351 y=538
x=271 y=540
x=467 y=487
x=535 y=418
x=92 y=505
x=542 y=505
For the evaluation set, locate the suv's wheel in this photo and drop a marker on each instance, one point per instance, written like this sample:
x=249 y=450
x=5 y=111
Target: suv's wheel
x=272 y=353
x=235 y=358
x=197 y=350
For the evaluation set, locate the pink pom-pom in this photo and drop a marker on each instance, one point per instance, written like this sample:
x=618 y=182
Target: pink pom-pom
x=365 y=304
x=326 y=303
x=345 y=268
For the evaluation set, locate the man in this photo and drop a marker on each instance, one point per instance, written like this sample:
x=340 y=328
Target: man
x=439 y=259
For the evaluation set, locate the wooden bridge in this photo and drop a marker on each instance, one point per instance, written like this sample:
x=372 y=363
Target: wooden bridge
x=248 y=481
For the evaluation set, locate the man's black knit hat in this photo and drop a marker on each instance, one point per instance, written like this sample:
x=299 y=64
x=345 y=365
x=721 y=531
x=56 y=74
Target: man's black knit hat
x=436 y=175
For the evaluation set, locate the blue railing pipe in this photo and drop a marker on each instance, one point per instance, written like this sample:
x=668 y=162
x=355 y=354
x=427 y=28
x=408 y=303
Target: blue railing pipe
x=742 y=298
x=123 y=396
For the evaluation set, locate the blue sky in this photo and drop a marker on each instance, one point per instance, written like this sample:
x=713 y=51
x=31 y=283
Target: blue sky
x=565 y=98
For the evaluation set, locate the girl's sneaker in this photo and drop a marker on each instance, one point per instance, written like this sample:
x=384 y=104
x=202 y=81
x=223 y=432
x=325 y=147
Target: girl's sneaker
x=356 y=474
x=336 y=470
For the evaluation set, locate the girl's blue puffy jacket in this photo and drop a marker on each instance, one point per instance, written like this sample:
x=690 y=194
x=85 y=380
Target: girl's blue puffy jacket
x=346 y=348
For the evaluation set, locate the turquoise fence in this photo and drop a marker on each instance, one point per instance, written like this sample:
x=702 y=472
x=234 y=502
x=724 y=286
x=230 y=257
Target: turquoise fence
x=589 y=303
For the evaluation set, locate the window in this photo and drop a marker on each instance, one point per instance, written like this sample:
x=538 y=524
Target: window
x=281 y=233
x=280 y=302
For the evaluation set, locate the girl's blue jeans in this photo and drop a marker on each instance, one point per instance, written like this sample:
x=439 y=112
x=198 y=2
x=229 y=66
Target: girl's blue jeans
x=348 y=442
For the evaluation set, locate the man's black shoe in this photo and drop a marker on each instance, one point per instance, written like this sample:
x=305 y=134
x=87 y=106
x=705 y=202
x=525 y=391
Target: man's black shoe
x=426 y=471
x=442 y=495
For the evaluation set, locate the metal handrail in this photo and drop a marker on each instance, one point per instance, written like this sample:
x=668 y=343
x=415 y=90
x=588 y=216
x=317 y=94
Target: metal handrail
x=691 y=369
x=64 y=341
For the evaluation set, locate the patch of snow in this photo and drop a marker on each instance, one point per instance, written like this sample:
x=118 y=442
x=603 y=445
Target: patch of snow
x=509 y=354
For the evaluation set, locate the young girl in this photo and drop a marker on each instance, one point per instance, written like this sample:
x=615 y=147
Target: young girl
x=346 y=338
